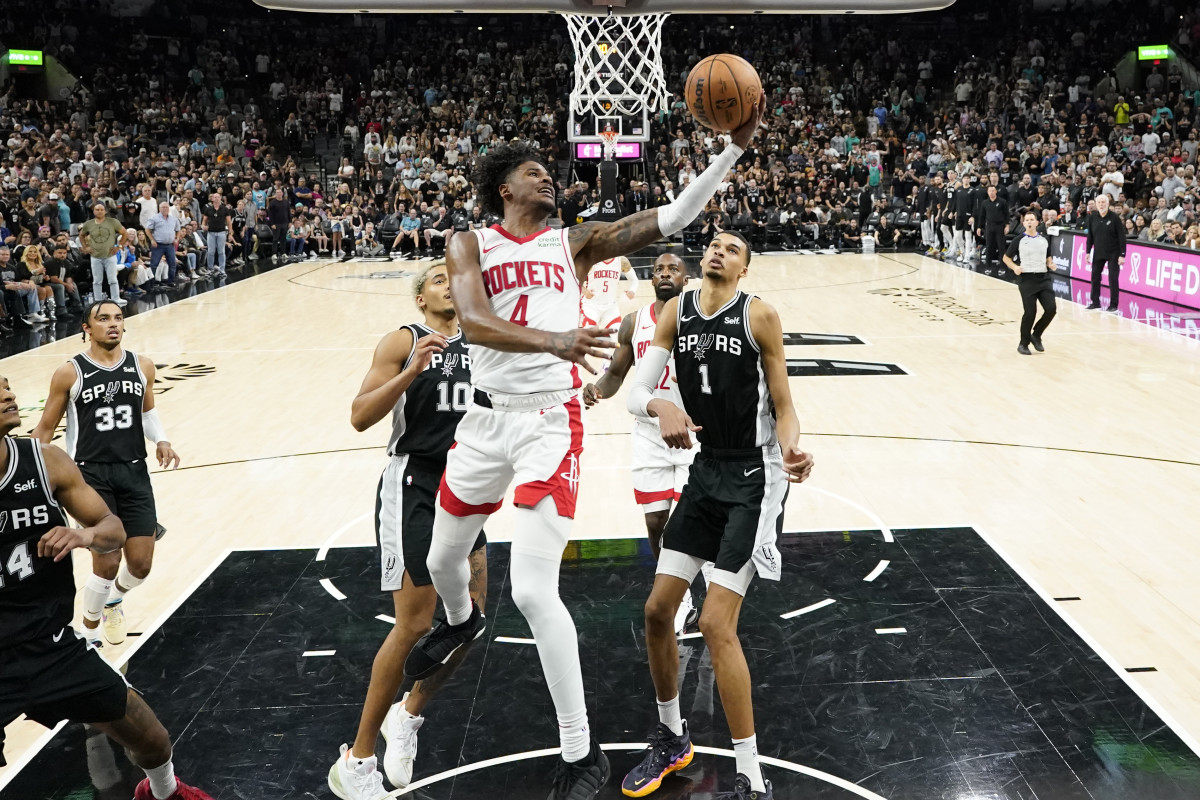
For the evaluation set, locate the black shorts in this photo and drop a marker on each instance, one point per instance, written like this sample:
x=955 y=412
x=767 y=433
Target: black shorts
x=404 y=508
x=49 y=680
x=127 y=492
x=962 y=222
x=731 y=509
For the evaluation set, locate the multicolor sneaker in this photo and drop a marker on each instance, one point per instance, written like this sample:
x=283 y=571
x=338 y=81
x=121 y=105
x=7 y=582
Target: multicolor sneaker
x=114 y=622
x=742 y=791
x=665 y=754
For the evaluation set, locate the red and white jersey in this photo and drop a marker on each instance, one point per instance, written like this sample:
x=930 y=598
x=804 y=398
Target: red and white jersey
x=602 y=281
x=643 y=336
x=530 y=281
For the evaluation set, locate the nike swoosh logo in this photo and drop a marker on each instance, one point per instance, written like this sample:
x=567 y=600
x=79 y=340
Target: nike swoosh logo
x=687 y=319
x=640 y=781
x=90 y=374
x=647 y=327
x=750 y=472
x=59 y=635
x=487 y=250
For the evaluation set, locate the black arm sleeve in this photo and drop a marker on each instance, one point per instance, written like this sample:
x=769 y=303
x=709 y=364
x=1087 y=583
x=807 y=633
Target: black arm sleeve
x=1014 y=250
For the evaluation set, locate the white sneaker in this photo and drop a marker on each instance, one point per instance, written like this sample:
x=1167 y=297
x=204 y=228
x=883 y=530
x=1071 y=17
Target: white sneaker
x=363 y=784
x=121 y=301
x=113 y=623
x=401 y=737
x=686 y=614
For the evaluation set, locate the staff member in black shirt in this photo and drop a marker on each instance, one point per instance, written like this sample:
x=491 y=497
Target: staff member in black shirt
x=1032 y=252
x=279 y=214
x=1106 y=237
x=992 y=224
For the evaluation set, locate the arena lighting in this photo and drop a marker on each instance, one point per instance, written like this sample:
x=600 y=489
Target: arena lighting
x=1153 y=52
x=24 y=58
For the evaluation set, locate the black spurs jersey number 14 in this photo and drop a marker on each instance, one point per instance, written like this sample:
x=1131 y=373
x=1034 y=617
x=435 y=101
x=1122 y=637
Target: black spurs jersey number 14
x=425 y=419
x=104 y=417
x=721 y=377
x=37 y=596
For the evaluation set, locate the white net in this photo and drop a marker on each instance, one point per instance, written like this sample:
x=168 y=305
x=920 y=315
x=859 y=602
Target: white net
x=618 y=64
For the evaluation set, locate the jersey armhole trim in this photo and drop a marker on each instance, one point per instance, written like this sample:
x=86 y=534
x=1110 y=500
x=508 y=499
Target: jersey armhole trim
x=13 y=458
x=137 y=365
x=746 y=324
x=413 y=350
x=40 y=462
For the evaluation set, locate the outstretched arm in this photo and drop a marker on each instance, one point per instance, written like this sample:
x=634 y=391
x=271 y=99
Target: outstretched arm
x=482 y=327
x=599 y=241
x=622 y=360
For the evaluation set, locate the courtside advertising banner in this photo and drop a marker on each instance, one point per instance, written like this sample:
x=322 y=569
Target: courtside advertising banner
x=1172 y=276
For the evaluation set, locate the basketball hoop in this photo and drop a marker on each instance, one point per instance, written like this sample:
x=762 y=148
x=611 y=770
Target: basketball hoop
x=608 y=139
x=618 y=64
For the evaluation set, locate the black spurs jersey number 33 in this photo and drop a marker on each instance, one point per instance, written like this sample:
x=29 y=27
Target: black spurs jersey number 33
x=425 y=419
x=721 y=377
x=104 y=417
x=37 y=596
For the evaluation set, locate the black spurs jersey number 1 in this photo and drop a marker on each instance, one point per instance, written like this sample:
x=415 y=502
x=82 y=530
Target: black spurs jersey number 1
x=721 y=377
x=425 y=419
x=104 y=417
x=37 y=596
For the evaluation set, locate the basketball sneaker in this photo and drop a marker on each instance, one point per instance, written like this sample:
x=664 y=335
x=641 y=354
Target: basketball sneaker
x=363 y=783
x=401 y=737
x=665 y=754
x=686 y=614
x=114 y=622
x=742 y=791
x=182 y=792
x=581 y=780
x=434 y=649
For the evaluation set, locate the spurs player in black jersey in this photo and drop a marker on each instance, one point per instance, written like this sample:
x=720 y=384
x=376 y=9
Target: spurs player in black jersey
x=728 y=351
x=48 y=672
x=421 y=375
x=107 y=396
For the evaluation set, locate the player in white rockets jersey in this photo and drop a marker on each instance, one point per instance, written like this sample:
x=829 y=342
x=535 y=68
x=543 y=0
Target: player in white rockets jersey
x=659 y=472
x=516 y=286
x=600 y=291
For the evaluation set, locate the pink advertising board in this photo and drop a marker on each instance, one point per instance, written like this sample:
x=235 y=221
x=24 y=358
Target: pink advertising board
x=1172 y=276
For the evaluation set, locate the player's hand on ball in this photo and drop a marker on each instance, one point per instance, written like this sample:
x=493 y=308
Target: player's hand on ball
x=580 y=343
x=425 y=348
x=591 y=395
x=745 y=134
x=57 y=542
x=797 y=464
x=167 y=457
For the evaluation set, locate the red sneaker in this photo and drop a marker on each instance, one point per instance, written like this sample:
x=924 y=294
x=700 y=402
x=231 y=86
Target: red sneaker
x=182 y=792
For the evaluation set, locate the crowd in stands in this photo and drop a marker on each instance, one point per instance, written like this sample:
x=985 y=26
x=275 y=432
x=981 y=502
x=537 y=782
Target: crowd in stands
x=192 y=143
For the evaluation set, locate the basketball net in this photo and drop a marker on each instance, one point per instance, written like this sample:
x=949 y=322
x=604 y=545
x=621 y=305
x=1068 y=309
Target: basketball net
x=608 y=139
x=618 y=64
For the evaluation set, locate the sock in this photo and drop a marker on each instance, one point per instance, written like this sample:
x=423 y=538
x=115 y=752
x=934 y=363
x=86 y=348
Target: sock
x=745 y=752
x=574 y=735
x=162 y=780
x=447 y=561
x=408 y=720
x=668 y=714
x=124 y=582
x=101 y=763
x=95 y=595
x=363 y=766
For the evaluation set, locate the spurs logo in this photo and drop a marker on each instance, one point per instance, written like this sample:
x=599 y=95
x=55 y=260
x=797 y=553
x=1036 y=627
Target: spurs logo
x=701 y=348
x=3 y=520
x=110 y=391
x=449 y=363
x=571 y=476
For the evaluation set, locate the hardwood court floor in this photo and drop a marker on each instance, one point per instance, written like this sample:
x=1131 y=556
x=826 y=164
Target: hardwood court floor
x=1078 y=465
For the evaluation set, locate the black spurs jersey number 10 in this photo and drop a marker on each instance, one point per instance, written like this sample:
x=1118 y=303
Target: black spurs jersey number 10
x=425 y=419
x=721 y=377
x=104 y=417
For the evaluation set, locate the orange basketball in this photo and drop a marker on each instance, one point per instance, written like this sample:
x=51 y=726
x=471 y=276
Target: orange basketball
x=722 y=91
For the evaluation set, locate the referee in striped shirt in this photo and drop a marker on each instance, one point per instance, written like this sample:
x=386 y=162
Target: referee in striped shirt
x=1032 y=252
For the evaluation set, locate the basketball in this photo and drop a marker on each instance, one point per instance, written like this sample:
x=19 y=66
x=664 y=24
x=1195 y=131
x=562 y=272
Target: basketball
x=722 y=91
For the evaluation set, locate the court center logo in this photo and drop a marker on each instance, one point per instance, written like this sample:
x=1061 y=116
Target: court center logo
x=932 y=304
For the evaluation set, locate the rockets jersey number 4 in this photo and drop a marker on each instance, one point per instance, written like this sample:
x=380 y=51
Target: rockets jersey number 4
x=104 y=415
x=532 y=282
x=667 y=386
x=602 y=282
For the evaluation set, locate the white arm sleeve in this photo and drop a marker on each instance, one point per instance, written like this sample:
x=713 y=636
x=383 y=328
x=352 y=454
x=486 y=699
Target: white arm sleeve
x=152 y=426
x=675 y=216
x=649 y=372
x=631 y=276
